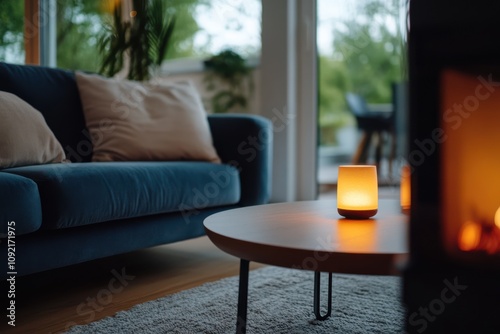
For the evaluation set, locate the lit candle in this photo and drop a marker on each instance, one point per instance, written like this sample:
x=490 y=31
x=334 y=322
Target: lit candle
x=357 y=192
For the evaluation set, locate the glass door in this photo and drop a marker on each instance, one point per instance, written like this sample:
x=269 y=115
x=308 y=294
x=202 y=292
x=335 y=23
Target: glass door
x=361 y=46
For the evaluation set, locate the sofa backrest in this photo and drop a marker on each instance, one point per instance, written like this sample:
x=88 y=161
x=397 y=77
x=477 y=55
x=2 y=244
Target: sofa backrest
x=55 y=94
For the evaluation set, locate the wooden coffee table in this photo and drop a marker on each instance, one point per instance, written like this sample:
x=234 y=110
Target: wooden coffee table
x=309 y=235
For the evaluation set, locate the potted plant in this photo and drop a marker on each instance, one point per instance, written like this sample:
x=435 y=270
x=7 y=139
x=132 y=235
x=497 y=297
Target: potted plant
x=138 y=44
x=230 y=78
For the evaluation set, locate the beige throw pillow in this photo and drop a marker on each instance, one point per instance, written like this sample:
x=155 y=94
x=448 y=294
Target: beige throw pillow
x=25 y=138
x=132 y=121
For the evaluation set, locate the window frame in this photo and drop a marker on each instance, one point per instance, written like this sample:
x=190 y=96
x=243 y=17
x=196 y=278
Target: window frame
x=31 y=32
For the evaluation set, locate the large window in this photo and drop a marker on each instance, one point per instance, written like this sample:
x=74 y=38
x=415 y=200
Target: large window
x=203 y=28
x=361 y=50
x=80 y=23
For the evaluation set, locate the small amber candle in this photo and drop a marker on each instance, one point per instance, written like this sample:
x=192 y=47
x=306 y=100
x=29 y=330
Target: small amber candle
x=405 y=188
x=357 y=191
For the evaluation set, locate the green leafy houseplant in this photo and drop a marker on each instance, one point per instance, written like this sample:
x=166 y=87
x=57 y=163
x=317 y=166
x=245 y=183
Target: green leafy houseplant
x=143 y=40
x=228 y=72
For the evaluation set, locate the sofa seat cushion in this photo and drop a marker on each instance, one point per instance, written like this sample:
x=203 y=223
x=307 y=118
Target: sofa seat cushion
x=19 y=203
x=86 y=193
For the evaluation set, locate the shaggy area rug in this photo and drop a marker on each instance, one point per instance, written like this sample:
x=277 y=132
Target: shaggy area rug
x=280 y=301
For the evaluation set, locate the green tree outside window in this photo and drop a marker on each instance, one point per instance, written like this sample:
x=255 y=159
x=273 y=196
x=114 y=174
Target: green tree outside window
x=368 y=58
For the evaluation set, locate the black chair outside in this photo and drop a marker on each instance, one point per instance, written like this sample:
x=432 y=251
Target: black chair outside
x=375 y=125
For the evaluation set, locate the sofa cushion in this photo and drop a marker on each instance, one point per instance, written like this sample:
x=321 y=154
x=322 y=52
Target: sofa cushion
x=54 y=93
x=133 y=121
x=25 y=138
x=86 y=193
x=20 y=203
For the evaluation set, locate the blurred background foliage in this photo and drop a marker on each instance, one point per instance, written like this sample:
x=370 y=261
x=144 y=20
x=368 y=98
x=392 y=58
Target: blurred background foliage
x=79 y=23
x=368 y=57
x=11 y=28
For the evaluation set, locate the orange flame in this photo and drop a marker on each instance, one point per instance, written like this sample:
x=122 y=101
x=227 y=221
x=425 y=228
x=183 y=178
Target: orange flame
x=470 y=235
x=479 y=237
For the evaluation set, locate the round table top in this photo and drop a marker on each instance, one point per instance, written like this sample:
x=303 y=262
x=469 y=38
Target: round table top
x=311 y=235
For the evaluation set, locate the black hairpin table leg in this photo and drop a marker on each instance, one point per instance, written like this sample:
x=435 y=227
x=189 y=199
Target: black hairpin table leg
x=241 y=321
x=317 y=293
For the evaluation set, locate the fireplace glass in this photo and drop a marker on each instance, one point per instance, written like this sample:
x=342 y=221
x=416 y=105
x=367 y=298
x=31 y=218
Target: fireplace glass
x=470 y=164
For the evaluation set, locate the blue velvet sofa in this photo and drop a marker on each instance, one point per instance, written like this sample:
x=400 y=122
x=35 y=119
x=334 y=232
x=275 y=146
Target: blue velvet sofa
x=70 y=213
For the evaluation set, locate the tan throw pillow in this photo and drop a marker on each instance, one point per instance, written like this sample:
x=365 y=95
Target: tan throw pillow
x=25 y=138
x=132 y=121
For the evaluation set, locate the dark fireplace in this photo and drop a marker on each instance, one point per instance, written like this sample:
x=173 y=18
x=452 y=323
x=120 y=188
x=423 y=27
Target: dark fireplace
x=452 y=281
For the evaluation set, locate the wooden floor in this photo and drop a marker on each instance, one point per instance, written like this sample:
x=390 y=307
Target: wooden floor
x=53 y=301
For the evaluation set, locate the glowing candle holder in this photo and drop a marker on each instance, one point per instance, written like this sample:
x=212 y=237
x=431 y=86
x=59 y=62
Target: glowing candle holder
x=405 y=189
x=357 y=192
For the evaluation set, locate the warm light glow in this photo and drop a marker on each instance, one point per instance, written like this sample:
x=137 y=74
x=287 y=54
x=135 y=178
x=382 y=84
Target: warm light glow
x=405 y=188
x=356 y=199
x=497 y=218
x=470 y=236
x=469 y=178
x=357 y=191
x=357 y=235
x=133 y=13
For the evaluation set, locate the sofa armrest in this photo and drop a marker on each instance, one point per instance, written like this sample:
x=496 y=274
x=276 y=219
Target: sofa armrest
x=20 y=205
x=245 y=142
